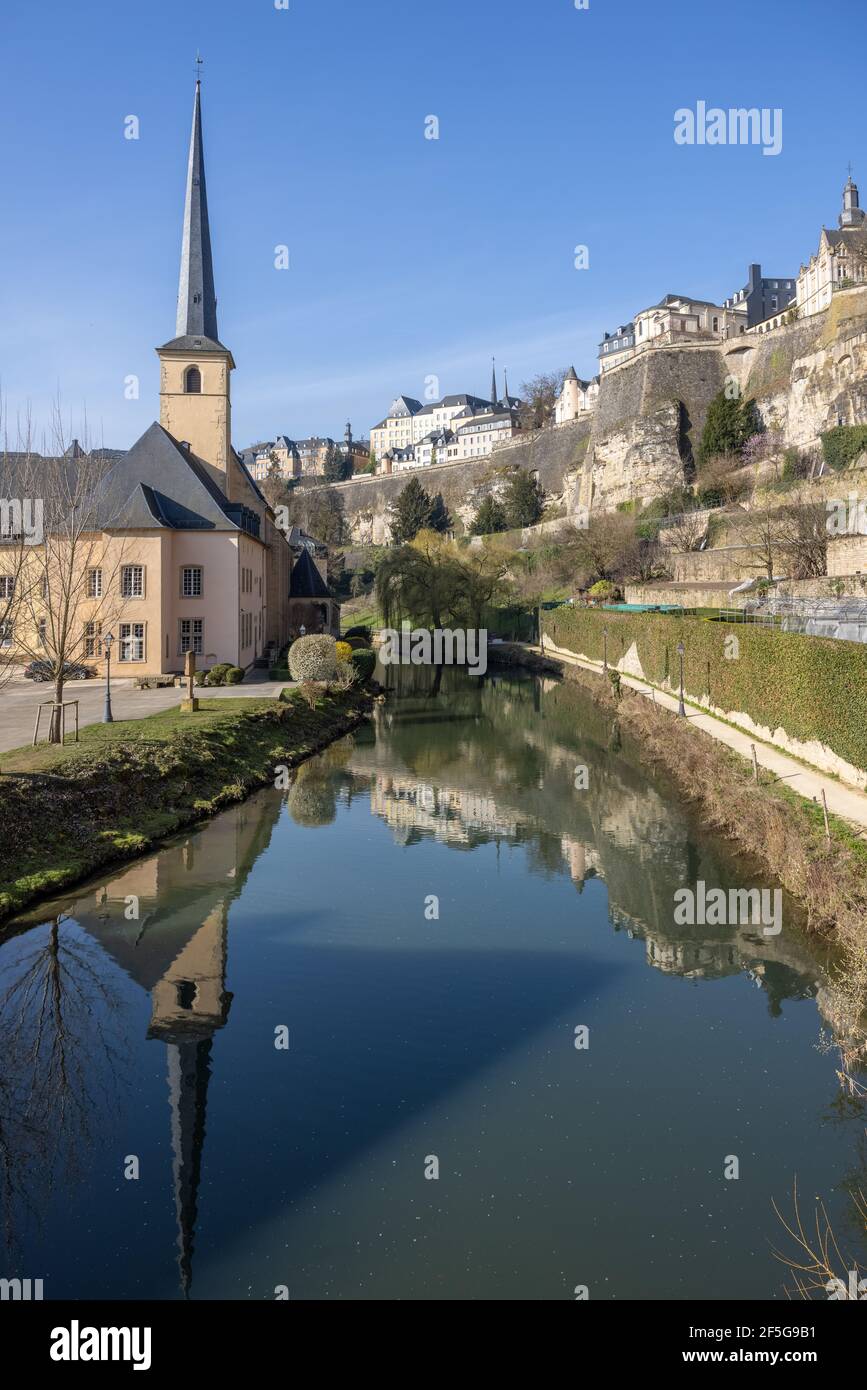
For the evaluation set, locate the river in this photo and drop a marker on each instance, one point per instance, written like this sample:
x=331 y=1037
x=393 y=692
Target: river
x=422 y=1026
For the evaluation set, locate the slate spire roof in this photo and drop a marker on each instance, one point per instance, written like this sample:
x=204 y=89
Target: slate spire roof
x=305 y=580
x=197 y=301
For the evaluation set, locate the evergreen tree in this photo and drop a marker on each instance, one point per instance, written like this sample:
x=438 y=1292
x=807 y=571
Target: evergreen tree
x=489 y=518
x=523 y=499
x=415 y=510
x=337 y=467
x=730 y=423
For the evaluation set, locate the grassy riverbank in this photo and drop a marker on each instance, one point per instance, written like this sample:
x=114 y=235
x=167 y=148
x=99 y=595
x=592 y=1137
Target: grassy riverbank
x=67 y=812
x=779 y=829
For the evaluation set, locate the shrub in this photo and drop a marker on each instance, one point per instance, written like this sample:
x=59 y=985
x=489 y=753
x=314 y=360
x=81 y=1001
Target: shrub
x=359 y=632
x=313 y=658
x=358 y=644
x=234 y=675
x=343 y=651
x=841 y=446
x=603 y=589
x=344 y=680
x=217 y=674
x=364 y=661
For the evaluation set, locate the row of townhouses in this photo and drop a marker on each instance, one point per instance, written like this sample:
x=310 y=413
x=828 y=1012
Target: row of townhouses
x=451 y=430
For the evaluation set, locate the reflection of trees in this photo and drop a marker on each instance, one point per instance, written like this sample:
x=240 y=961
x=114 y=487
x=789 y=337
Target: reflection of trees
x=61 y=1044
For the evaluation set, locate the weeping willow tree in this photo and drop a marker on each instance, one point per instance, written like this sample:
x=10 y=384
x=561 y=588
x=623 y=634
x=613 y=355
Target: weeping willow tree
x=431 y=584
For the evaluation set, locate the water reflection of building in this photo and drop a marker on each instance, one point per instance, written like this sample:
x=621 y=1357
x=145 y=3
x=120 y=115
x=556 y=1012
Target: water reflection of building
x=514 y=780
x=177 y=952
x=450 y=814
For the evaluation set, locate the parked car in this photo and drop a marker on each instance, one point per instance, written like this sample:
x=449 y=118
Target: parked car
x=72 y=671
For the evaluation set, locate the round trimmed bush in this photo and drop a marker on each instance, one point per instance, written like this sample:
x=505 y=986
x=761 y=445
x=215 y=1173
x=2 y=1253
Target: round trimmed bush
x=234 y=675
x=361 y=631
x=217 y=674
x=364 y=661
x=313 y=658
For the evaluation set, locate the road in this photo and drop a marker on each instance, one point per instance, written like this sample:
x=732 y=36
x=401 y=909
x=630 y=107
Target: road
x=19 y=699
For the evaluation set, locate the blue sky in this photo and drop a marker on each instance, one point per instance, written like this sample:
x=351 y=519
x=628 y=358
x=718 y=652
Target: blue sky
x=409 y=257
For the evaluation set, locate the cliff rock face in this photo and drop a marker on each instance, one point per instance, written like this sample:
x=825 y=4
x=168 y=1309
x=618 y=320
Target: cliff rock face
x=642 y=439
x=554 y=454
x=648 y=422
x=810 y=376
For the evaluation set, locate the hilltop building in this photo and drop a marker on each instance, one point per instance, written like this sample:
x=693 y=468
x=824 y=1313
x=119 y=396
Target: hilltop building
x=454 y=428
x=302 y=458
x=576 y=399
x=764 y=297
x=840 y=263
x=616 y=347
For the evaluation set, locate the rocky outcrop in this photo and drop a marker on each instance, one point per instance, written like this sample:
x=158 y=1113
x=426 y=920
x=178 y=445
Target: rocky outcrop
x=647 y=425
x=811 y=375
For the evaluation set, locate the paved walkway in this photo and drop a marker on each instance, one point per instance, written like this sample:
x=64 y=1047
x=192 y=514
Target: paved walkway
x=846 y=802
x=18 y=701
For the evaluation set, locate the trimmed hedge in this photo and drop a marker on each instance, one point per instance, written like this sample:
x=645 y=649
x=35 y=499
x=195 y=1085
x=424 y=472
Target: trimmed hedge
x=812 y=687
x=364 y=662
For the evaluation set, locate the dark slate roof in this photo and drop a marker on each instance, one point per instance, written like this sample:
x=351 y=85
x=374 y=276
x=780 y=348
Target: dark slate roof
x=852 y=238
x=191 y=343
x=197 y=300
x=305 y=580
x=159 y=483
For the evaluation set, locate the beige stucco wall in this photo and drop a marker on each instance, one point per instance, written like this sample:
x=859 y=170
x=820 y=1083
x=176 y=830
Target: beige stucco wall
x=203 y=420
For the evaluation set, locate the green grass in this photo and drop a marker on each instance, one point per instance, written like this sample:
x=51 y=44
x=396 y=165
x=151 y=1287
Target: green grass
x=154 y=728
x=127 y=785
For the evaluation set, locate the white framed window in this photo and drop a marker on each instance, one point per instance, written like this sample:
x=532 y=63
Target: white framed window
x=92 y=639
x=94 y=583
x=5 y=634
x=191 y=635
x=191 y=581
x=132 y=641
x=7 y=586
x=132 y=581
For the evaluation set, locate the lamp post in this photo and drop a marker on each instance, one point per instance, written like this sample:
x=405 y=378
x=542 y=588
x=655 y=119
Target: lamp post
x=108 y=717
x=605 y=651
x=681 y=708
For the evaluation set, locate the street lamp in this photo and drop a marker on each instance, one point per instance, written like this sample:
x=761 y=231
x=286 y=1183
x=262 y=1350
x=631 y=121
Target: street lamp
x=108 y=717
x=605 y=651
x=681 y=708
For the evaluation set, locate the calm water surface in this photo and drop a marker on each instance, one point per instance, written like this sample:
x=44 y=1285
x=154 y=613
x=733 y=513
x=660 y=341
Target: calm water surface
x=151 y=1042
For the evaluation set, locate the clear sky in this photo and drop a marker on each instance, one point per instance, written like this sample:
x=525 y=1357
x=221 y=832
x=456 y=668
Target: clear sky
x=409 y=257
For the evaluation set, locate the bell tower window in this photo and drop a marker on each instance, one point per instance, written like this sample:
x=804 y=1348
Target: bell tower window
x=193 y=381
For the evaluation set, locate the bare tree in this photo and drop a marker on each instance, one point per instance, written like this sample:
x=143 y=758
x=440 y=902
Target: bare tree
x=760 y=532
x=539 y=396
x=687 y=532
x=69 y=586
x=803 y=538
x=605 y=549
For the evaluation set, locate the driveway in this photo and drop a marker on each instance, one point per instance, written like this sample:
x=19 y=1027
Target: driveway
x=19 y=699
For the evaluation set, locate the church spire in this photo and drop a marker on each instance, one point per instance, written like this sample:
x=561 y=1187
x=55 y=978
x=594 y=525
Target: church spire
x=494 y=380
x=197 y=302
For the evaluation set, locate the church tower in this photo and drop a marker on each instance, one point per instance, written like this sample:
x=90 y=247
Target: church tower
x=853 y=214
x=194 y=366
